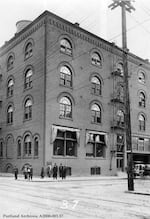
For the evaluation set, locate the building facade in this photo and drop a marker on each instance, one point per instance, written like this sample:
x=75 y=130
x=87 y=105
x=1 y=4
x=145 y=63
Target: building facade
x=62 y=100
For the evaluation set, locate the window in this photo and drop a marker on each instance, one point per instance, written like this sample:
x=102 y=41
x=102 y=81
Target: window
x=141 y=122
x=65 y=107
x=96 y=86
x=1 y=149
x=120 y=117
x=28 y=109
x=65 y=46
x=96 y=59
x=120 y=143
x=10 y=88
x=96 y=113
x=27 y=146
x=141 y=144
x=120 y=68
x=142 y=99
x=65 y=143
x=141 y=77
x=10 y=62
x=28 y=79
x=10 y=115
x=65 y=76
x=95 y=145
x=19 y=148
x=28 y=50
x=36 y=146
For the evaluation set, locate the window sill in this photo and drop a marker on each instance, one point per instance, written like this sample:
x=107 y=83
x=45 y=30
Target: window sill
x=27 y=157
x=62 y=85
x=26 y=58
x=36 y=157
x=28 y=88
x=26 y=120
x=66 y=118
x=95 y=158
x=8 y=69
x=94 y=94
x=95 y=123
x=98 y=66
x=63 y=157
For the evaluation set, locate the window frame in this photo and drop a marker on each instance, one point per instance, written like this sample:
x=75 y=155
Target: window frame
x=10 y=115
x=65 y=109
x=27 y=146
x=96 y=115
x=28 y=109
x=68 y=50
x=28 y=50
x=65 y=79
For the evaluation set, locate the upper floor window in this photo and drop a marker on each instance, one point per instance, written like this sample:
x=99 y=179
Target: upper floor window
x=66 y=76
x=28 y=109
x=27 y=146
x=19 y=148
x=10 y=62
x=10 y=88
x=28 y=78
x=142 y=99
x=65 y=107
x=141 y=77
x=28 y=50
x=96 y=113
x=96 y=59
x=120 y=116
x=96 y=85
x=36 y=146
x=65 y=46
x=141 y=122
x=10 y=114
x=120 y=68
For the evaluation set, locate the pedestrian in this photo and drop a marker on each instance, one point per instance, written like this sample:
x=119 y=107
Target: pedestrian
x=28 y=173
x=16 y=172
x=64 y=172
x=31 y=172
x=42 y=172
x=55 y=170
x=25 y=172
x=60 y=170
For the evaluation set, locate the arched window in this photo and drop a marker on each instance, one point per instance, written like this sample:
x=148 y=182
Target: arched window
x=36 y=146
x=19 y=148
x=10 y=62
x=65 y=46
x=141 y=122
x=28 y=79
x=10 y=114
x=120 y=68
x=96 y=86
x=120 y=116
x=65 y=76
x=65 y=107
x=141 y=77
x=96 y=59
x=28 y=50
x=1 y=148
x=27 y=146
x=10 y=88
x=28 y=109
x=96 y=113
x=142 y=99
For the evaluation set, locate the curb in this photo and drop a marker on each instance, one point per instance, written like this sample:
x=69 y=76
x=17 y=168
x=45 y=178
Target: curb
x=137 y=193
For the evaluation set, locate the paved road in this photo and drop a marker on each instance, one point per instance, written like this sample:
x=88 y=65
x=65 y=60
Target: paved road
x=72 y=199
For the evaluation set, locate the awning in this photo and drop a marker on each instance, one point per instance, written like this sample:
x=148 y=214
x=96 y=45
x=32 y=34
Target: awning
x=90 y=135
x=63 y=129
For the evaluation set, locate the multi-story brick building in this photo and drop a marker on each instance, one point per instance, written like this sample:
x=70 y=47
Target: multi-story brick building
x=62 y=100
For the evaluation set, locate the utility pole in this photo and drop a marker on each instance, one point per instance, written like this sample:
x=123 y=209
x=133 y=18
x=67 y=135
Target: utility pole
x=126 y=6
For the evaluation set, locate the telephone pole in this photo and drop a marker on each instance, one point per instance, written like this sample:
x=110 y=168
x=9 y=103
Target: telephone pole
x=126 y=6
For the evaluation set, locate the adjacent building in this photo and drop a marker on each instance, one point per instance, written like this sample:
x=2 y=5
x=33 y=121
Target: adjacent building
x=62 y=100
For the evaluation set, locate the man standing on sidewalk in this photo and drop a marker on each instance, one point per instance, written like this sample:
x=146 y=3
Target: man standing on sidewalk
x=16 y=172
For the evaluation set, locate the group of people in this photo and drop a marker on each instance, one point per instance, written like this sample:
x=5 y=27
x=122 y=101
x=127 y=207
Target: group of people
x=27 y=172
x=51 y=171
x=54 y=171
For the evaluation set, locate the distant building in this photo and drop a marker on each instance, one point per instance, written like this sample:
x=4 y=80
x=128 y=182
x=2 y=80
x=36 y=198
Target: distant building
x=62 y=100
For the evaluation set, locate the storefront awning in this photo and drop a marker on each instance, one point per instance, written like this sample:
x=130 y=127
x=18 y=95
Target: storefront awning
x=63 y=129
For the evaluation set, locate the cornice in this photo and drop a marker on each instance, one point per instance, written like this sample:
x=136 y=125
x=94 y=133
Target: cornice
x=25 y=33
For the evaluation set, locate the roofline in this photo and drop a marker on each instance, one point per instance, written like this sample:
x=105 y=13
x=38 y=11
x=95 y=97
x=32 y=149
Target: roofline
x=48 y=13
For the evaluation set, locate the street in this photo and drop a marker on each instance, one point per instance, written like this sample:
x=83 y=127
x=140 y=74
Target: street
x=94 y=198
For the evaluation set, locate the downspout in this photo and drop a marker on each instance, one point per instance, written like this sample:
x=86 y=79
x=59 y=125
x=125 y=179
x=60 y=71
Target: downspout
x=45 y=85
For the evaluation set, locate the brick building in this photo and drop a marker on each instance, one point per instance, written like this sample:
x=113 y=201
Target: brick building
x=62 y=100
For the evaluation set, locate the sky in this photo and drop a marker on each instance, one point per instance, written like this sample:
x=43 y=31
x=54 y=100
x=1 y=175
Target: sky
x=92 y=15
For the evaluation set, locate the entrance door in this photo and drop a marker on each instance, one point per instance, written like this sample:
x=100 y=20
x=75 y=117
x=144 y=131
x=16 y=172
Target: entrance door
x=120 y=163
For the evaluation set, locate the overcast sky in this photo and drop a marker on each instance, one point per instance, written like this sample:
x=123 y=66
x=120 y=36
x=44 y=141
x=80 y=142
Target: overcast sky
x=93 y=15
